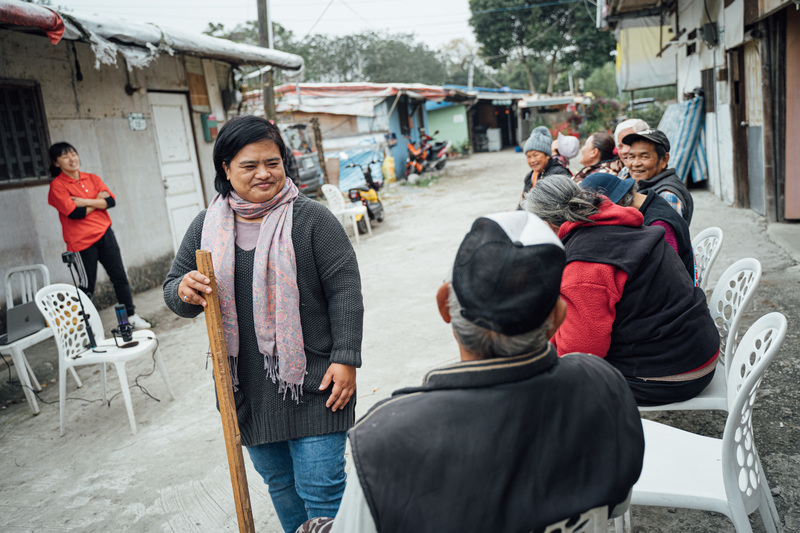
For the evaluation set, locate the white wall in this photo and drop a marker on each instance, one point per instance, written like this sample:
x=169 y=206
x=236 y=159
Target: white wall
x=91 y=114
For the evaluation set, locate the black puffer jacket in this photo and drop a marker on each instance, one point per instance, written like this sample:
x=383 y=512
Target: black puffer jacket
x=552 y=168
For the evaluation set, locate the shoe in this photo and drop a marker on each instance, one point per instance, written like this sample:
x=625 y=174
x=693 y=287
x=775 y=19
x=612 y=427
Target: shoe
x=138 y=322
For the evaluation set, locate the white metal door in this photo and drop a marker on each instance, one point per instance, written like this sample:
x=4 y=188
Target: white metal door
x=176 y=153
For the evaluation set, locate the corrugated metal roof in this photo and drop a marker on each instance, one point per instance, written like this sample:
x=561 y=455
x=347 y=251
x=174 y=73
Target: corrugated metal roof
x=371 y=90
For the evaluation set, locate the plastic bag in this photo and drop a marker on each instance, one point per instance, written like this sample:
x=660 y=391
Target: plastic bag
x=387 y=168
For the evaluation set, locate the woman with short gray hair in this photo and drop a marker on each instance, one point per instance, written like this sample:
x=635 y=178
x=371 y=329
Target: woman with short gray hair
x=628 y=297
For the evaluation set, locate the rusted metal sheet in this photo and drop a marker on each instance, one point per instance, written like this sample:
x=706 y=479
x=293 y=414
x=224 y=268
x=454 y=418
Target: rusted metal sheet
x=767 y=7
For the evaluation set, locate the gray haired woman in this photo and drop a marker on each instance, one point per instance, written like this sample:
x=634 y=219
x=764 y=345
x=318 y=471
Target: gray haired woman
x=629 y=297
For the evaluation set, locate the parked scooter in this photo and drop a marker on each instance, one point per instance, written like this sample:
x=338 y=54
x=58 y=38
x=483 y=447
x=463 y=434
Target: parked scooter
x=367 y=195
x=426 y=156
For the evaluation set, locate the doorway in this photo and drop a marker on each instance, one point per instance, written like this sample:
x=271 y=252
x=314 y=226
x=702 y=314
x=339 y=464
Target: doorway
x=180 y=174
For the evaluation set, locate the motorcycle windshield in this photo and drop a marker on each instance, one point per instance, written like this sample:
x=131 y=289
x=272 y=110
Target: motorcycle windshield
x=352 y=176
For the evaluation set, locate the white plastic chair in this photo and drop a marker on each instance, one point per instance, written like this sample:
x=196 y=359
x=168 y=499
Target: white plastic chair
x=339 y=207
x=25 y=281
x=59 y=304
x=733 y=292
x=592 y=521
x=682 y=469
x=706 y=246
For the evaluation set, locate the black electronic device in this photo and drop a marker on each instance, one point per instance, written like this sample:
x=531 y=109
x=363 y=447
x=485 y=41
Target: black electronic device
x=73 y=261
x=124 y=328
x=70 y=258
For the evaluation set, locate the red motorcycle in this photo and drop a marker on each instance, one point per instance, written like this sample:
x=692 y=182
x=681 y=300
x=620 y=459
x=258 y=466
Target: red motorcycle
x=426 y=156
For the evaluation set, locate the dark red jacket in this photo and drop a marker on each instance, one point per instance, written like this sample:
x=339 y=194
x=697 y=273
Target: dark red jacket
x=630 y=299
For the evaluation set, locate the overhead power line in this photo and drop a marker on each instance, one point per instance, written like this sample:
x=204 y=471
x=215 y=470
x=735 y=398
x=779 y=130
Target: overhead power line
x=359 y=15
x=529 y=6
x=318 y=19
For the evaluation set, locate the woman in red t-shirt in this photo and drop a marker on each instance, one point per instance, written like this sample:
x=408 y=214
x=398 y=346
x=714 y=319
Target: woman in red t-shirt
x=82 y=201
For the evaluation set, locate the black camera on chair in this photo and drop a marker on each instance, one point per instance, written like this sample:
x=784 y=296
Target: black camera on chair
x=124 y=328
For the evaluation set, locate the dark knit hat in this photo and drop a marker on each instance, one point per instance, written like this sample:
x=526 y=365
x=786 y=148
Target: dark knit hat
x=540 y=140
x=507 y=273
x=608 y=184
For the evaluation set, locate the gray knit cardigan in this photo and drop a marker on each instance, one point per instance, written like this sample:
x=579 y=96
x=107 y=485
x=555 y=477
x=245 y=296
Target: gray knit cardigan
x=331 y=314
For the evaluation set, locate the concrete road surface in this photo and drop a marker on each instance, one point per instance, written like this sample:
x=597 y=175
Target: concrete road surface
x=173 y=476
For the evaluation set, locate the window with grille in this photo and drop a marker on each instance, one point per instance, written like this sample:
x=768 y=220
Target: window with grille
x=23 y=135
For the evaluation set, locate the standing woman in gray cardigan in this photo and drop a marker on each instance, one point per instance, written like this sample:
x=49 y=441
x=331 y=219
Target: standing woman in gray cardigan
x=290 y=295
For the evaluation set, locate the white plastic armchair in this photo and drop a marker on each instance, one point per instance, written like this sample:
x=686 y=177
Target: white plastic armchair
x=686 y=470
x=60 y=305
x=592 y=521
x=733 y=292
x=24 y=281
x=339 y=207
x=706 y=246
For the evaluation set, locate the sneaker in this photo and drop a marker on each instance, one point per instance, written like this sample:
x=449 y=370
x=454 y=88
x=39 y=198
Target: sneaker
x=138 y=322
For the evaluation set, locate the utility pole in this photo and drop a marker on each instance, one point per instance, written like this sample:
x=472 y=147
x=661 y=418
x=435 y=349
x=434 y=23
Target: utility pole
x=265 y=41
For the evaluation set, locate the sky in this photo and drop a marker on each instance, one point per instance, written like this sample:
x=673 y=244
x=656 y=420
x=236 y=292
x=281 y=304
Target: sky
x=435 y=22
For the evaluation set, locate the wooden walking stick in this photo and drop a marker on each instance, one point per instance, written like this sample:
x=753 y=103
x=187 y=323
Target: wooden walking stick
x=227 y=406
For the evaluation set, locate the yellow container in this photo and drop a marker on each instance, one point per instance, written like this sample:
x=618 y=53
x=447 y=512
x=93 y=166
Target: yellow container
x=388 y=170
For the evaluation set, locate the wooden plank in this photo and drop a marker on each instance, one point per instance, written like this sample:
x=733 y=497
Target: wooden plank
x=227 y=406
x=738 y=116
x=770 y=185
x=792 y=122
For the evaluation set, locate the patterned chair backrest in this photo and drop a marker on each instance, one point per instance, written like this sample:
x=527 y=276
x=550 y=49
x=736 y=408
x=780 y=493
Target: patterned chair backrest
x=733 y=292
x=334 y=197
x=741 y=468
x=60 y=306
x=706 y=246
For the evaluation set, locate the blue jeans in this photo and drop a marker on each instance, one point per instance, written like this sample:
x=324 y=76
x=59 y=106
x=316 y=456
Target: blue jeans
x=305 y=476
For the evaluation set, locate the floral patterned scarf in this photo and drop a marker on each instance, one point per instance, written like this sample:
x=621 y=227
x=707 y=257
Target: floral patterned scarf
x=276 y=299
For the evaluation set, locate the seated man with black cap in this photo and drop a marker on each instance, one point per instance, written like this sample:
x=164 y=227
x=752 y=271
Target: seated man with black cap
x=512 y=438
x=648 y=161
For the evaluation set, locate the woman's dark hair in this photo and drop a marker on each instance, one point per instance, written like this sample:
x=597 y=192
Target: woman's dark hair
x=604 y=144
x=237 y=133
x=56 y=151
x=627 y=200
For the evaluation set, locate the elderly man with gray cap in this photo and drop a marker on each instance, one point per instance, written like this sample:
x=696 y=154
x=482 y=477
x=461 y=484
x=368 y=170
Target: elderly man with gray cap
x=538 y=152
x=511 y=438
x=648 y=161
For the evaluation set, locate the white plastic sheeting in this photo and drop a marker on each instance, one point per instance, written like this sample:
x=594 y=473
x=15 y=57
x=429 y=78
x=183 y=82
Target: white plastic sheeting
x=638 y=46
x=141 y=43
x=335 y=105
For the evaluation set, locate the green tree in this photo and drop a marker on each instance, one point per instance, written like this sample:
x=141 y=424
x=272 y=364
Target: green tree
x=367 y=56
x=399 y=58
x=602 y=82
x=558 y=37
x=246 y=33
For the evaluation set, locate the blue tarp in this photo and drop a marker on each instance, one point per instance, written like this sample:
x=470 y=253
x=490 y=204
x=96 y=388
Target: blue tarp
x=684 y=125
x=350 y=177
